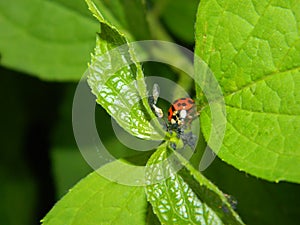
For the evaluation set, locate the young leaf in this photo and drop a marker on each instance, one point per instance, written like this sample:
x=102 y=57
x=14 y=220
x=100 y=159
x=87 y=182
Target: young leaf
x=208 y=193
x=173 y=201
x=96 y=200
x=117 y=81
x=253 y=49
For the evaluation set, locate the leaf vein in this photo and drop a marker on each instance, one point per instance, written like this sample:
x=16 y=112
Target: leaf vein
x=264 y=78
x=247 y=38
x=263 y=112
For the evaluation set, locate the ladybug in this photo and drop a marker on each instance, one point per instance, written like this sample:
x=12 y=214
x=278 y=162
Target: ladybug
x=182 y=110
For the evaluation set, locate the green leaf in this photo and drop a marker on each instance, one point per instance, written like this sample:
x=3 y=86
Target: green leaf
x=253 y=49
x=118 y=82
x=209 y=193
x=53 y=39
x=48 y=39
x=96 y=200
x=173 y=201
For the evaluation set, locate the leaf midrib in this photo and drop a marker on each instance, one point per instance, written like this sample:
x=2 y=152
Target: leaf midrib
x=263 y=78
x=130 y=107
x=265 y=147
x=263 y=112
x=82 y=206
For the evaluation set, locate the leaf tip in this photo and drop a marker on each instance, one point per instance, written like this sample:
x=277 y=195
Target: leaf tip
x=93 y=8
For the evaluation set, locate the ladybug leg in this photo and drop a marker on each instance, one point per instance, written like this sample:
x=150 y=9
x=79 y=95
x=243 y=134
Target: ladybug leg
x=191 y=116
x=189 y=139
x=173 y=126
x=180 y=131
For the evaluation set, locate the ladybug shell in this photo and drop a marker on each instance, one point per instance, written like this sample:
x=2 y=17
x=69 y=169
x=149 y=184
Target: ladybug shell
x=180 y=104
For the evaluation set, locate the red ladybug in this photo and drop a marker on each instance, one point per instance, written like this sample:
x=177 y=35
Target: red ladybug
x=182 y=110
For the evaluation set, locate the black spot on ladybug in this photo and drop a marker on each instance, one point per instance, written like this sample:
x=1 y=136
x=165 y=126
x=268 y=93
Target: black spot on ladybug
x=181 y=111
